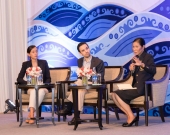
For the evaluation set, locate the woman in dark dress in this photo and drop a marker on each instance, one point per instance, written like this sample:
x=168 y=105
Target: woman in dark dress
x=41 y=66
x=143 y=69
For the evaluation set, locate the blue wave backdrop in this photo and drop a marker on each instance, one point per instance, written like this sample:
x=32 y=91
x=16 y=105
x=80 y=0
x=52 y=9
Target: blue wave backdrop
x=109 y=29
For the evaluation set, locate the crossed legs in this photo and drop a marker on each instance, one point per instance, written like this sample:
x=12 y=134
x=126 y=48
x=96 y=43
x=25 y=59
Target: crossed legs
x=32 y=102
x=124 y=107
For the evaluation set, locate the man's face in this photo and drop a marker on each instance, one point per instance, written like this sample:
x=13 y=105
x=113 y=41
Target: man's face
x=84 y=51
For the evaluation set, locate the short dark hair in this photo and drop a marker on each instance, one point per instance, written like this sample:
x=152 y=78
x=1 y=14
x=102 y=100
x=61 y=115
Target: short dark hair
x=30 y=48
x=141 y=41
x=80 y=44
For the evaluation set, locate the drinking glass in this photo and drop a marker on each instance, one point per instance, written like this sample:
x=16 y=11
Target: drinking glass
x=94 y=70
x=94 y=79
x=28 y=80
x=98 y=78
x=40 y=79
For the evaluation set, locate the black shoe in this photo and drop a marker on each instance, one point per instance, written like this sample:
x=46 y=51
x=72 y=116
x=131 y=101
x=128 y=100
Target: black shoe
x=124 y=123
x=65 y=111
x=72 y=121
x=135 y=120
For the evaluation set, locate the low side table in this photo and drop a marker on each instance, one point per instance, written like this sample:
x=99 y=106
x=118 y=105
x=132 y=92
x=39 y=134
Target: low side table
x=36 y=87
x=99 y=89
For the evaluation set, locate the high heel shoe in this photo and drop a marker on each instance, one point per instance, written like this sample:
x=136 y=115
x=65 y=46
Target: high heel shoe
x=135 y=120
x=27 y=120
x=31 y=121
x=124 y=123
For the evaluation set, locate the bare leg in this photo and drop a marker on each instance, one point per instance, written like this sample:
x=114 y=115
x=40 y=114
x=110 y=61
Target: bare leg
x=28 y=118
x=32 y=101
x=117 y=103
x=31 y=115
x=124 y=107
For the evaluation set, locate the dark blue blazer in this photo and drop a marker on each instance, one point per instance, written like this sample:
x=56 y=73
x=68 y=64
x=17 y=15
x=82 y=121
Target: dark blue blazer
x=144 y=74
x=42 y=64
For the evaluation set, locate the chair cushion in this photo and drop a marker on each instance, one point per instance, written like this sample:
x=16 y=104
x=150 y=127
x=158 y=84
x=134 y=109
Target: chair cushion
x=93 y=101
x=25 y=96
x=25 y=101
x=138 y=100
x=110 y=101
x=49 y=100
x=91 y=95
x=47 y=96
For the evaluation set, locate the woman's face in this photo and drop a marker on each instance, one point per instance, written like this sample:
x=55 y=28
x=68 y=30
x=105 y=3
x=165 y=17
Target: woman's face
x=137 y=48
x=33 y=54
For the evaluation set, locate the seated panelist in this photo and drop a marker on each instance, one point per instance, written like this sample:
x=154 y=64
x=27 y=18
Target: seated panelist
x=143 y=69
x=87 y=61
x=34 y=67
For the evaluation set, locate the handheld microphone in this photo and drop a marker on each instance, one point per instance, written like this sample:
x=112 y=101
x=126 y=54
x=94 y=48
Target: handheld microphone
x=132 y=61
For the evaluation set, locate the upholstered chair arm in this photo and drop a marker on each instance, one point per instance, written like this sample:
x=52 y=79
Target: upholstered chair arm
x=113 y=83
x=158 y=89
x=118 y=81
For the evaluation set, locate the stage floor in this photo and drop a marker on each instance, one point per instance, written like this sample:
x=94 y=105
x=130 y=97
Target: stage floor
x=9 y=125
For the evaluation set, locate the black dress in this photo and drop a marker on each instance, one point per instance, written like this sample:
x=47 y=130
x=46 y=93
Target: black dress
x=139 y=77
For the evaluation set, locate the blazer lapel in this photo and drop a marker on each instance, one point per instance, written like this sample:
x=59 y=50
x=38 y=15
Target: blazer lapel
x=92 y=63
x=136 y=69
x=40 y=64
x=29 y=64
x=80 y=62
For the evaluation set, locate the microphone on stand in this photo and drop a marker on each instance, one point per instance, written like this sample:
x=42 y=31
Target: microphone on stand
x=11 y=106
